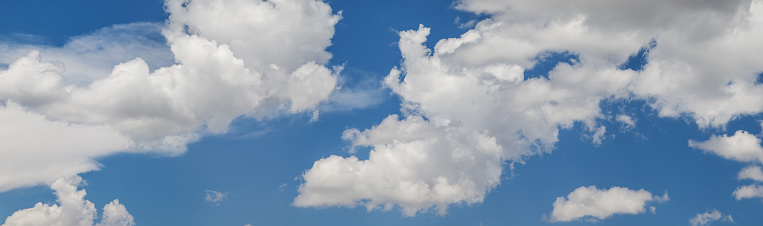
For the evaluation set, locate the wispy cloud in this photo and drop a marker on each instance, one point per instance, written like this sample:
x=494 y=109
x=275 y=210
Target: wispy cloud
x=215 y=197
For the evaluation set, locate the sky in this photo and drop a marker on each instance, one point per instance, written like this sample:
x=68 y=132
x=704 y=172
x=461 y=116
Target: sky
x=341 y=112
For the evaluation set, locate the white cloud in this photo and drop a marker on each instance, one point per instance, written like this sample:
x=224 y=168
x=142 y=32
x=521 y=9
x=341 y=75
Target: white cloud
x=748 y=192
x=707 y=217
x=473 y=85
x=600 y=204
x=751 y=172
x=115 y=214
x=88 y=57
x=466 y=136
x=215 y=197
x=699 y=44
x=598 y=136
x=741 y=146
x=414 y=165
x=26 y=150
x=627 y=121
x=74 y=209
x=222 y=71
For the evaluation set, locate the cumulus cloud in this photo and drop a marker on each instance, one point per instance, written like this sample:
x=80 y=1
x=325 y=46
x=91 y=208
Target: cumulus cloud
x=465 y=138
x=413 y=165
x=748 y=192
x=600 y=204
x=699 y=44
x=752 y=173
x=473 y=86
x=230 y=60
x=741 y=146
x=707 y=217
x=72 y=209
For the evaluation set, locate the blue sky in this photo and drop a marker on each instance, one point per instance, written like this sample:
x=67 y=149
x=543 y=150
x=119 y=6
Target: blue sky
x=305 y=112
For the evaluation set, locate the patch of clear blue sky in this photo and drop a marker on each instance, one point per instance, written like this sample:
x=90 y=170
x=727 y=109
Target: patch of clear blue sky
x=169 y=191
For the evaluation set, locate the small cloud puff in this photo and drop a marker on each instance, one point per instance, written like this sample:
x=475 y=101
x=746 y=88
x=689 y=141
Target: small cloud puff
x=215 y=197
x=707 y=217
x=593 y=204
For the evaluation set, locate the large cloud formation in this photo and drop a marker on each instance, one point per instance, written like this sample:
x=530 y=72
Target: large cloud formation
x=469 y=108
x=74 y=209
x=225 y=66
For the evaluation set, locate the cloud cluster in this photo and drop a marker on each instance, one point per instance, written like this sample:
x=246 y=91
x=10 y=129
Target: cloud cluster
x=468 y=104
x=707 y=217
x=600 y=204
x=741 y=147
x=74 y=209
x=226 y=65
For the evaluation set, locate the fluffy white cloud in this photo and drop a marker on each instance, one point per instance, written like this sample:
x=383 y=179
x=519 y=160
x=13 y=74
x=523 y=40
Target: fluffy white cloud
x=741 y=146
x=74 y=209
x=748 y=192
x=703 y=44
x=601 y=203
x=456 y=154
x=474 y=85
x=751 y=172
x=413 y=165
x=707 y=217
x=231 y=60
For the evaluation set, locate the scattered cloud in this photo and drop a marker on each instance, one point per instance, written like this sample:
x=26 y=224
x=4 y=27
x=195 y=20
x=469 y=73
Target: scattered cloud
x=627 y=121
x=245 y=67
x=707 y=217
x=72 y=209
x=599 y=204
x=741 y=146
x=752 y=173
x=215 y=197
x=748 y=192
